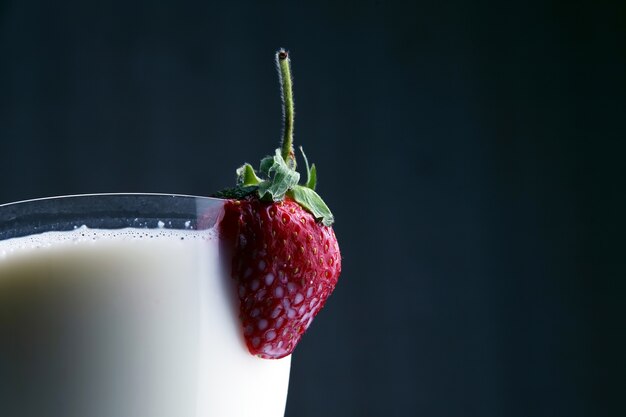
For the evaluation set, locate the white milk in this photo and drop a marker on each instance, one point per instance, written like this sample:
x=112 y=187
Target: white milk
x=126 y=323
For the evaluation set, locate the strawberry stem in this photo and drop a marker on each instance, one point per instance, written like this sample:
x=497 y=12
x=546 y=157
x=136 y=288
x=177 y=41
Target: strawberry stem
x=284 y=73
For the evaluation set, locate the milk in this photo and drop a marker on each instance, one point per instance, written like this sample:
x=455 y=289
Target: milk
x=133 y=322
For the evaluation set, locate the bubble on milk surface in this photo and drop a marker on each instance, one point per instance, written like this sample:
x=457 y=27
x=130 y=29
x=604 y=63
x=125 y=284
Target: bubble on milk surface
x=82 y=234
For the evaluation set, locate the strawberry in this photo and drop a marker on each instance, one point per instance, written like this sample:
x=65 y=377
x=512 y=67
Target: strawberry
x=285 y=256
x=286 y=265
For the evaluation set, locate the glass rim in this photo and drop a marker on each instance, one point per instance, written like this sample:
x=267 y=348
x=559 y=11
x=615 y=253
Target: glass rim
x=113 y=194
x=109 y=211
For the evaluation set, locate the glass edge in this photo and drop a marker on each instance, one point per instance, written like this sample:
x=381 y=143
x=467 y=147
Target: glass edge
x=34 y=200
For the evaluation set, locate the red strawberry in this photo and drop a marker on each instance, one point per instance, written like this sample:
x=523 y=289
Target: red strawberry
x=286 y=265
x=286 y=258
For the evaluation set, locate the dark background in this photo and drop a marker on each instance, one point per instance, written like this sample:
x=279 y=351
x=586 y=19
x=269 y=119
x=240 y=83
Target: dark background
x=472 y=153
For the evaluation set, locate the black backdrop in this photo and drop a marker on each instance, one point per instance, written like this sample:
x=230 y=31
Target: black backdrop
x=469 y=150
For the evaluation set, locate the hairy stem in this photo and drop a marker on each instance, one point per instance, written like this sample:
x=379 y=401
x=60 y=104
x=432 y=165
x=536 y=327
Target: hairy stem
x=284 y=72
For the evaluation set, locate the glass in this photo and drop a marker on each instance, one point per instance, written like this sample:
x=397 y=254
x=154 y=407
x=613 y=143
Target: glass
x=120 y=305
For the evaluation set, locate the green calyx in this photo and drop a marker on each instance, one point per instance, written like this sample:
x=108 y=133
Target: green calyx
x=279 y=178
x=277 y=182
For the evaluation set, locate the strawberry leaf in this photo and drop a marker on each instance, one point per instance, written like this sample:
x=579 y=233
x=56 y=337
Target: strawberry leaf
x=247 y=176
x=313 y=203
x=238 y=192
x=311 y=181
x=281 y=178
x=311 y=173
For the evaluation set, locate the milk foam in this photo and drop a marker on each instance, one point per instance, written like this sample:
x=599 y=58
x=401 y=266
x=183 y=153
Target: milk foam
x=84 y=235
